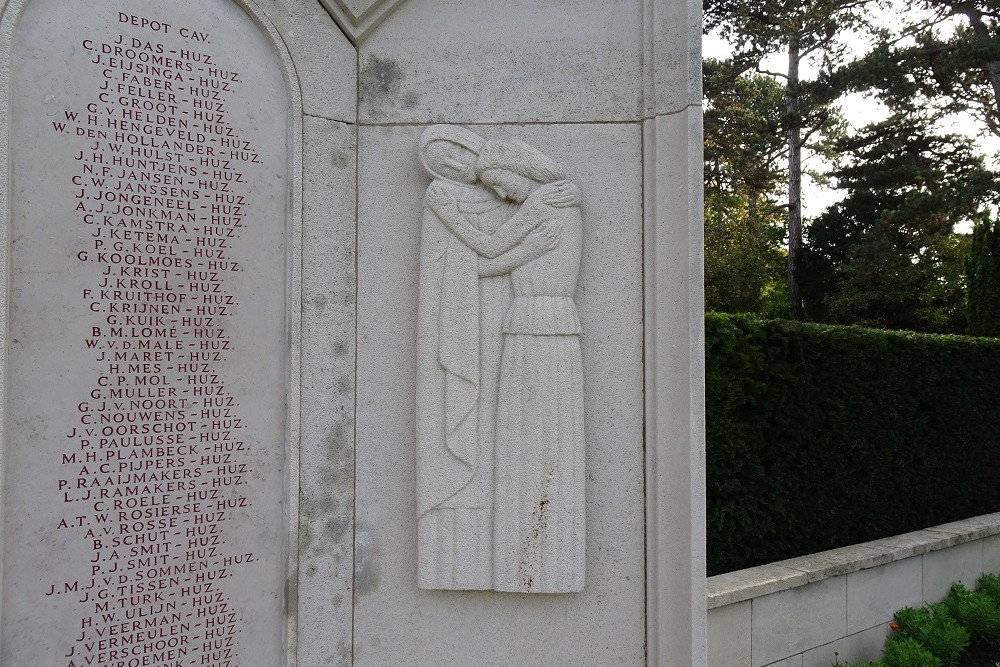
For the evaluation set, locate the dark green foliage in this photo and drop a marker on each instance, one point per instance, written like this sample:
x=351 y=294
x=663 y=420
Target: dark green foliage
x=743 y=134
x=976 y=612
x=939 y=634
x=947 y=66
x=907 y=652
x=886 y=256
x=989 y=584
x=984 y=279
x=893 y=432
x=807 y=35
x=933 y=628
x=744 y=263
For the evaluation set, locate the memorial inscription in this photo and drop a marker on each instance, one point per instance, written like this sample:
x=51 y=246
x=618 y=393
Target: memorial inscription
x=146 y=432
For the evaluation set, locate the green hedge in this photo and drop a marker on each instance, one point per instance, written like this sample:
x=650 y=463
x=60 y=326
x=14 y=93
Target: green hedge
x=822 y=436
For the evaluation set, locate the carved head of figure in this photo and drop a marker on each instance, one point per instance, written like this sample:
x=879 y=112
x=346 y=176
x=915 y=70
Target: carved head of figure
x=513 y=169
x=449 y=152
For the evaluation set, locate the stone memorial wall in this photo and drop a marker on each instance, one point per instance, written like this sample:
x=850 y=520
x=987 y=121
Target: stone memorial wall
x=145 y=464
x=273 y=394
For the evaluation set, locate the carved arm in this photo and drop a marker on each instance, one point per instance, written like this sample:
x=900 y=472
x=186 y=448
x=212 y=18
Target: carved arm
x=539 y=241
x=505 y=238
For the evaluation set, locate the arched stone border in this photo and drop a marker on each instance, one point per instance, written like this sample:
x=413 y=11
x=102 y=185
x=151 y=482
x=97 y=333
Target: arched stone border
x=319 y=66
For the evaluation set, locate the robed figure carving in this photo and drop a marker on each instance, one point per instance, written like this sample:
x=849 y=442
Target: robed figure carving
x=500 y=441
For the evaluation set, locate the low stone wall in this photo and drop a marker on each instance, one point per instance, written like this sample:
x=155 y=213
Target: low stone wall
x=813 y=610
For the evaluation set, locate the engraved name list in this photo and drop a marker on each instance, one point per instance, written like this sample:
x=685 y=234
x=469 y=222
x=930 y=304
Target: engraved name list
x=162 y=225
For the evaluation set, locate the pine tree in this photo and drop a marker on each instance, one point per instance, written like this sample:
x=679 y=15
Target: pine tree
x=804 y=33
x=744 y=227
x=887 y=255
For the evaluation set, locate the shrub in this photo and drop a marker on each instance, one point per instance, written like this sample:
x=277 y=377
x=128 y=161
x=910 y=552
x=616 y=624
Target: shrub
x=976 y=612
x=937 y=635
x=932 y=628
x=907 y=652
x=989 y=584
x=822 y=436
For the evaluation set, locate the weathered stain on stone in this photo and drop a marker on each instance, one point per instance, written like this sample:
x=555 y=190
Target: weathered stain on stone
x=305 y=537
x=410 y=100
x=342 y=159
x=337 y=528
x=345 y=652
x=379 y=81
x=326 y=504
x=335 y=438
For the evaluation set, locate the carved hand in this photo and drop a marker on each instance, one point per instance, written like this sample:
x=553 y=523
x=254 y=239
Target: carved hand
x=545 y=236
x=560 y=194
x=440 y=199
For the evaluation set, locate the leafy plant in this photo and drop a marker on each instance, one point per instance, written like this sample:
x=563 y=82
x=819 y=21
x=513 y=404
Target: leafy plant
x=933 y=628
x=937 y=635
x=989 y=584
x=976 y=612
x=907 y=652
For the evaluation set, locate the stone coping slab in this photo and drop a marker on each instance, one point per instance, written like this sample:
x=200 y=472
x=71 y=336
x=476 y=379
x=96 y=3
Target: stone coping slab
x=733 y=587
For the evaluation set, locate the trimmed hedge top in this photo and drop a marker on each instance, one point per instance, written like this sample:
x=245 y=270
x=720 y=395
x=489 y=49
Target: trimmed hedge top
x=824 y=436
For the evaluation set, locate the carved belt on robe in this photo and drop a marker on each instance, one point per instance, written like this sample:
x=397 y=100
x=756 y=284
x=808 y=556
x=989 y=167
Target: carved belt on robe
x=542 y=316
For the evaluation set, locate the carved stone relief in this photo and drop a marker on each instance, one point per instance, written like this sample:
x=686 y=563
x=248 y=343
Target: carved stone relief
x=500 y=427
x=357 y=18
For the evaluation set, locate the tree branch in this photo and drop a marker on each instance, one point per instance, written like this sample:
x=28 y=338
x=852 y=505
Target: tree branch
x=777 y=75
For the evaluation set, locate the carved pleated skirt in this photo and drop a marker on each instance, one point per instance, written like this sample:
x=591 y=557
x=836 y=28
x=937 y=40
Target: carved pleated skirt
x=539 y=523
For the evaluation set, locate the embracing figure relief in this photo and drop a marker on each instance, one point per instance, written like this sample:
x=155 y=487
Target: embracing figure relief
x=500 y=439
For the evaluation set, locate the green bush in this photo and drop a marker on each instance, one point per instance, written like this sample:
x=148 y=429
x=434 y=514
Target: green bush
x=976 y=612
x=989 y=584
x=933 y=628
x=907 y=652
x=822 y=436
x=937 y=635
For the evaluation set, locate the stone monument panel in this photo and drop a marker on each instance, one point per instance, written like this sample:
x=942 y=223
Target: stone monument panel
x=518 y=61
x=397 y=620
x=147 y=371
x=500 y=423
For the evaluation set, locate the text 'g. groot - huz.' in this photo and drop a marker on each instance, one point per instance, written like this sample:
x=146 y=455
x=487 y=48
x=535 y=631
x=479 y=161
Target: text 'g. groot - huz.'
x=500 y=436
x=145 y=442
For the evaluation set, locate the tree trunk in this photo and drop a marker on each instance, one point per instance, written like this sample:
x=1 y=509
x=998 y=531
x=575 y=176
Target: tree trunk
x=992 y=67
x=794 y=179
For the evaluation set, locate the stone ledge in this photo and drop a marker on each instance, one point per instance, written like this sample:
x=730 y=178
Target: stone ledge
x=733 y=587
x=754 y=582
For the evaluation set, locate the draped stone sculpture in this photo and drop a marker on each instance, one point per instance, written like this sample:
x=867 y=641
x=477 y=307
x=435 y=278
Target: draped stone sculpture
x=500 y=441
